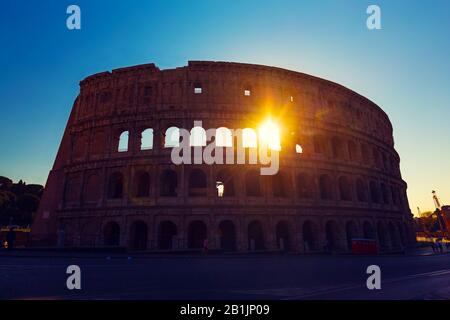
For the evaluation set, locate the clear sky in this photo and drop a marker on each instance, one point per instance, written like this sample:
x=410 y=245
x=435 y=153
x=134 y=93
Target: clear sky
x=404 y=67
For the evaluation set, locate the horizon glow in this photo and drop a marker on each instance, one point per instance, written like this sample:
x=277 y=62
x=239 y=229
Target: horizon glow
x=403 y=67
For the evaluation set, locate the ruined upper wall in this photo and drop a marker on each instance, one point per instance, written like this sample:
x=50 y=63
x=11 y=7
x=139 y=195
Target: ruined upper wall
x=146 y=88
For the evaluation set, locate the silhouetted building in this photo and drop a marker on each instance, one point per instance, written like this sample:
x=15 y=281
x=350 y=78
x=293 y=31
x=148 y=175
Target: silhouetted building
x=113 y=182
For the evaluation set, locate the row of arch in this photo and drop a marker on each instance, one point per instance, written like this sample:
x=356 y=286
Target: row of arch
x=198 y=137
x=335 y=147
x=307 y=186
x=389 y=235
x=339 y=148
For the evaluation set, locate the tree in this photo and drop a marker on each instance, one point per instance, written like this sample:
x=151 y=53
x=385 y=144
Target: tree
x=28 y=202
x=18 y=201
x=5 y=183
x=429 y=221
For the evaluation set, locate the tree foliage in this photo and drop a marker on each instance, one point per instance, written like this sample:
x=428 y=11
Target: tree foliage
x=429 y=222
x=18 y=201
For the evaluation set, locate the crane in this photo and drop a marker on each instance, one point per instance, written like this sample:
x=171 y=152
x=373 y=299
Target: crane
x=437 y=204
x=423 y=224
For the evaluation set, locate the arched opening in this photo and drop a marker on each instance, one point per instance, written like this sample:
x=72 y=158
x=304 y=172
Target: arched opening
x=281 y=185
x=227 y=233
x=269 y=135
x=345 y=189
x=197 y=137
x=255 y=236
x=168 y=183
x=93 y=188
x=383 y=237
x=138 y=235
x=361 y=190
x=197 y=183
x=374 y=193
x=393 y=234
x=337 y=148
x=305 y=186
x=123 y=142
x=172 y=137
x=401 y=197
x=408 y=233
x=198 y=88
x=111 y=234
x=401 y=233
x=167 y=232
x=319 y=144
x=325 y=187
x=385 y=162
x=309 y=231
x=142 y=181
x=376 y=157
x=249 y=139
x=197 y=234
x=79 y=147
x=351 y=231
x=332 y=236
x=253 y=183
x=365 y=154
x=385 y=193
x=72 y=188
x=352 y=154
x=224 y=137
x=115 y=186
x=283 y=236
x=225 y=184
x=147 y=139
x=368 y=230
x=394 y=195
x=98 y=143
x=247 y=91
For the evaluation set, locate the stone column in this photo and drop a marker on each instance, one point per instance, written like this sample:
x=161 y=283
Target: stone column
x=271 y=237
x=241 y=240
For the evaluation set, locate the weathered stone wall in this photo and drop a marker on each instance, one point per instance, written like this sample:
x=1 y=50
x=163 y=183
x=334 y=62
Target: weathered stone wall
x=345 y=184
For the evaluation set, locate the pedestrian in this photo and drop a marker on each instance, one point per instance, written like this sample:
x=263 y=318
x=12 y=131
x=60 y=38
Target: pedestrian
x=327 y=247
x=11 y=238
x=441 y=247
x=435 y=246
x=205 y=246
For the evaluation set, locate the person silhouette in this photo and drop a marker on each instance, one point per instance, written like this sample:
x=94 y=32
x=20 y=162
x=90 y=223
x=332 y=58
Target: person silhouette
x=11 y=238
x=205 y=246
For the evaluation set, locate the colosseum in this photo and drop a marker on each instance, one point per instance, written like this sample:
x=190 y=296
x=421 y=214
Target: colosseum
x=114 y=184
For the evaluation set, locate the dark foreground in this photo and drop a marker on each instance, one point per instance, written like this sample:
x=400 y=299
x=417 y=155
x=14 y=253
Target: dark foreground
x=226 y=277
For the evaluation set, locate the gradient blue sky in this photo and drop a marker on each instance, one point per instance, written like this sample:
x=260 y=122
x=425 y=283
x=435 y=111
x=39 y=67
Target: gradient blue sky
x=404 y=67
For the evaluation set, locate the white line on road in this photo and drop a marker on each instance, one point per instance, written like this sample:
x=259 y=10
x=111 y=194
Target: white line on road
x=362 y=286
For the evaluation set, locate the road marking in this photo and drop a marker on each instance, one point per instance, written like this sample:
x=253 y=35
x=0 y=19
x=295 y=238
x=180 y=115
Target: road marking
x=350 y=287
x=277 y=291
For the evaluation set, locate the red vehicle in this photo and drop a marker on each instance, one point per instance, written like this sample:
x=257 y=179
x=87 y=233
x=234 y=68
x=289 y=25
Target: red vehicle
x=364 y=246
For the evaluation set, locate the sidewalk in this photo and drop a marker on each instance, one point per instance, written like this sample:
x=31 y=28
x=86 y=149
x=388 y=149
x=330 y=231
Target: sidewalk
x=122 y=254
x=424 y=251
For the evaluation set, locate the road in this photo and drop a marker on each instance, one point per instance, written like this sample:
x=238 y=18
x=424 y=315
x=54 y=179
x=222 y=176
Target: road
x=226 y=277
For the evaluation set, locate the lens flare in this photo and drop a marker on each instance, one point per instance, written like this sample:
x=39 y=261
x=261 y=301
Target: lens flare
x=269 y=134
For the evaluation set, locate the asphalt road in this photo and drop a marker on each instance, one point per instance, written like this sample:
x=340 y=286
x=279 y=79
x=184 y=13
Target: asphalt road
x=226 y=277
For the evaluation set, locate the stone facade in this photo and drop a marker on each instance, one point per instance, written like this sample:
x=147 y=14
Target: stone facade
x=345 y=184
